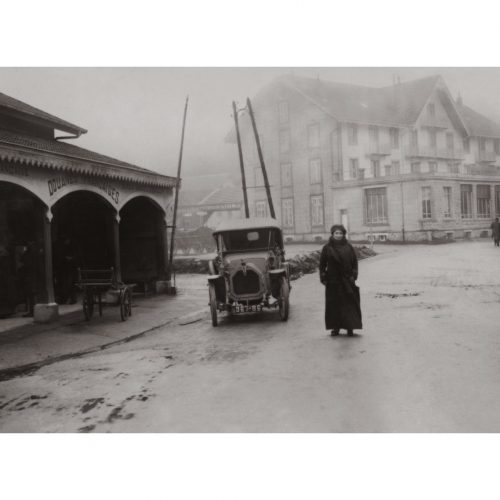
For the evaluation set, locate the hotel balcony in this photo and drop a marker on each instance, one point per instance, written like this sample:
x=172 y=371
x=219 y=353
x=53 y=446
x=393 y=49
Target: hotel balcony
x=486 y=156
x=429 y=152
x=487 y=170
x=378 y=150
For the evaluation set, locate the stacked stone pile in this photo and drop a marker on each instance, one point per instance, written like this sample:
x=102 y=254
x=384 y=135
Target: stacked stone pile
x=299 y=265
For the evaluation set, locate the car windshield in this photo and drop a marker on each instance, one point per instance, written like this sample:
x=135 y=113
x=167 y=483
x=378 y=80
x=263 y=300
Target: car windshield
x=249 y=239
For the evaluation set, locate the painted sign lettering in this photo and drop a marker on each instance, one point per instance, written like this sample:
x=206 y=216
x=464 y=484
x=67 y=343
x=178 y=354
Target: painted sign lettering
x=60 y=182
x=14 y=169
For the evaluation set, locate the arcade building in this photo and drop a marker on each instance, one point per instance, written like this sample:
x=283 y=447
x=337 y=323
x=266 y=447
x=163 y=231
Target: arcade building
x=63 y=207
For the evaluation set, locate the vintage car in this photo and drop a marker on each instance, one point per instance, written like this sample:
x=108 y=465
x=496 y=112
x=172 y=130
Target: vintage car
x=249 y=272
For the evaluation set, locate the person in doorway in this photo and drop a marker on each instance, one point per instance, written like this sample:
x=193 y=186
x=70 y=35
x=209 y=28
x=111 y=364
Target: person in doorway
x=338 y=270
x=28 y=274
x=495 y=232
x=67 y=267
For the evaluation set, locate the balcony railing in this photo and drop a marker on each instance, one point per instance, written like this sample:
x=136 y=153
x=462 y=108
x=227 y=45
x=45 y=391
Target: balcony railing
x=442 y=153
x=378 y=150
x=486 y=156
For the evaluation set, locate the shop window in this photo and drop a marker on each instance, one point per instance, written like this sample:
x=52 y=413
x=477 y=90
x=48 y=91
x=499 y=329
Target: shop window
x=376 y=205
x=447 y=196
x=483 y=201
x=466 y=201
x=426 y=202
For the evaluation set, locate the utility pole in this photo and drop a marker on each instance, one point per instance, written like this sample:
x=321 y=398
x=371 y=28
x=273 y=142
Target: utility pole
x=242 y=167
x=176 y=199
x=261 y=158
x=402 y=213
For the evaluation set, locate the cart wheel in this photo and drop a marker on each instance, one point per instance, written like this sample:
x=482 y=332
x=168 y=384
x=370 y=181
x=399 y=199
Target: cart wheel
x=213 y=304
x=125 y=304
x=284 y=300
x=88 y=304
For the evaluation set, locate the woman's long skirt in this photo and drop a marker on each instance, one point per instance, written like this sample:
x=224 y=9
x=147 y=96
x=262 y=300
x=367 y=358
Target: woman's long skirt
x=342 y=308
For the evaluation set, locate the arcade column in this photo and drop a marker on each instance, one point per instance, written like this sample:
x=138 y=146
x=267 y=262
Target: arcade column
x=49 y=311
x=164 y=284
x=116 y=247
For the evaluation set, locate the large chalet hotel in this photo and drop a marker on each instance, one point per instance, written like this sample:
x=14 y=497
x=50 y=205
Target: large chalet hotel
x=405 y=162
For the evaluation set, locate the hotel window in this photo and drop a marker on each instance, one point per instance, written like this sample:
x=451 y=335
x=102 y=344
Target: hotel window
x=352 y=135
x=447 y=202
x=353 y=168
x=283 y=112
x=431 y=110
x=482 y=144
x=258 y=177
x=261 y=209
x=317 y=210
x=497 y=201
x=376 y=205
x=453 y=168
x=466 y=144
x=432 y=138
x=426 y=202
x=394 y=133
x=497 y=146
x=373 y=133
x=286 y=174
x=466 y=201
x=315 y=171
x=483 y=201
x=375 y=168
x=414 y=139
x=415 y=167
x=450 y=143
x=313 y=135
x=433 y=167
x=388 y=170
x=284 y=141
x=395 y=167
x=287 y=212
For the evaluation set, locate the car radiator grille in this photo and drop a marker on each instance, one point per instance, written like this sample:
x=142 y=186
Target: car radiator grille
x=246 y=284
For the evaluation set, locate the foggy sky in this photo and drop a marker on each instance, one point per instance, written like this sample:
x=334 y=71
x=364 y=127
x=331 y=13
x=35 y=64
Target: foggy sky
x=135 y=114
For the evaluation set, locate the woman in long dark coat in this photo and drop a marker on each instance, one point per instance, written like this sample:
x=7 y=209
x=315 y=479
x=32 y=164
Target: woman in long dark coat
x=338 y=270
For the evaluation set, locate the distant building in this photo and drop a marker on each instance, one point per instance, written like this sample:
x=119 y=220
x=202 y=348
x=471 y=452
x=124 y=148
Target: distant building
x=403 y=162
x=205 y=200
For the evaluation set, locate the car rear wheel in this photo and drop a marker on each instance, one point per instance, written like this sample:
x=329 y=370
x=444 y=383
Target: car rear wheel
x=213 y=304
x=284 y=300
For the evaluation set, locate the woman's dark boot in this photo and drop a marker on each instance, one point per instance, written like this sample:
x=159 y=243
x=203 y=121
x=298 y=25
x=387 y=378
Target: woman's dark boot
x=350 y=333
x=334 y=333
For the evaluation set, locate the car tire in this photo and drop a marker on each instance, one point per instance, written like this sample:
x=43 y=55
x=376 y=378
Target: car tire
x=213 y=304
x=284 y=300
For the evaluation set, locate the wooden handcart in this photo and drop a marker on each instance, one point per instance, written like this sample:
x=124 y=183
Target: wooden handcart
x=94 y=283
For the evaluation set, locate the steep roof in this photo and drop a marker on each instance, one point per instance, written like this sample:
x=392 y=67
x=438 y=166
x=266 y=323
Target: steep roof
x=398 y=104
x=81 y=160
x=223 y=196
x=477 y=124
x=21 y=109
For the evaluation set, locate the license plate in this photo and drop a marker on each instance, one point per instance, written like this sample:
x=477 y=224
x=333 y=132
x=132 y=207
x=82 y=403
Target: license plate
x=242 y=309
